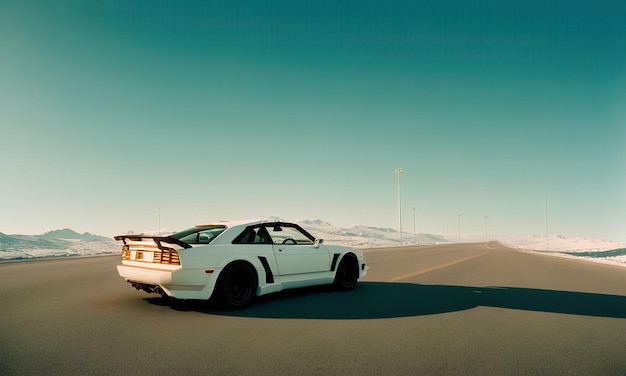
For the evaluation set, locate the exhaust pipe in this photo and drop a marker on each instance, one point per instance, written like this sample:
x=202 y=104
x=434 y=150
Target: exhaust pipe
x=151 y=289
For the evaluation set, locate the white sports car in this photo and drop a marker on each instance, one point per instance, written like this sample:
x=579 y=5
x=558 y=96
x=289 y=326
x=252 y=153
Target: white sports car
x=236 y=261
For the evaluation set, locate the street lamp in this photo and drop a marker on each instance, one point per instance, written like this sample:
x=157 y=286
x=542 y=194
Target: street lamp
x=486 y=229
x=160 y=220
x=414 y=238
x=547 y=228
x=459 y=221
x=399 y=171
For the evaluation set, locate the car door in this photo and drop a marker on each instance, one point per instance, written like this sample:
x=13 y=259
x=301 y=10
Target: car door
x=295 y=252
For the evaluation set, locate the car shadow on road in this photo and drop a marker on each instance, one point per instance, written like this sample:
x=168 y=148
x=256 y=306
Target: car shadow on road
x=375 y=300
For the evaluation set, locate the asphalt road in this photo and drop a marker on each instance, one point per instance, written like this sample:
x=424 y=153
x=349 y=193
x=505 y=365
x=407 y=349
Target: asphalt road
x=469 y=309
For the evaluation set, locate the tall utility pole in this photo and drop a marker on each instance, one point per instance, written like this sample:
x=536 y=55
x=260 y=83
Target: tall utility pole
x=547 y=228
x=486 y=229
x=399 y=171
x=414 y=238
x=160 y=220
x=459 y=226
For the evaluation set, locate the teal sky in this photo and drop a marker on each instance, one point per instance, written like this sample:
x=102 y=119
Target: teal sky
x=228 y=110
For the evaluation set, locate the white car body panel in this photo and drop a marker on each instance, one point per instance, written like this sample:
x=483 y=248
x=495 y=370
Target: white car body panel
x=301 y=259
x=277 y=266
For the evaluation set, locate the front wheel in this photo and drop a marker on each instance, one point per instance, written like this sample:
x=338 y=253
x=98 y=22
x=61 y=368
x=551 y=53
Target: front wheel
x=237 y=285
x=347 y=274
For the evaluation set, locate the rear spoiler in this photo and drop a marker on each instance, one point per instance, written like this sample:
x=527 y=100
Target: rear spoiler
x=157 y=239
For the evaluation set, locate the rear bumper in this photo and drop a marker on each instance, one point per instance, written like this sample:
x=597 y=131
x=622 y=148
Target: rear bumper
x=180 y=284
x=145 y=275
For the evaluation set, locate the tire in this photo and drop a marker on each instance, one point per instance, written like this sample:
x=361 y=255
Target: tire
x=236 y=287
x=347 y=274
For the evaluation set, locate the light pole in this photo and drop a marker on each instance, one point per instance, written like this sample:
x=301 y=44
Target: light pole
x=414 y=238
x=160 y=220
x=547 y=228
x=459 y=226
x=399 y=171
x=486 y=231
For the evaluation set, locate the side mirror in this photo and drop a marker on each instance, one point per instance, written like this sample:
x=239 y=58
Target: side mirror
x=317 y=242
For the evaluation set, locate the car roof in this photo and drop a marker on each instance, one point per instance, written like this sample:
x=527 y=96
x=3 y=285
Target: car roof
x=229 y=224
x=234 y=228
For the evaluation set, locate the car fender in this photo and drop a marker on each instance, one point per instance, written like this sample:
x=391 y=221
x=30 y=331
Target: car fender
x=338 y=253
x=265 y=266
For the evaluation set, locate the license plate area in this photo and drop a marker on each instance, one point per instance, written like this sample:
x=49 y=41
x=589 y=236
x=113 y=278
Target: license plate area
x=146 y=256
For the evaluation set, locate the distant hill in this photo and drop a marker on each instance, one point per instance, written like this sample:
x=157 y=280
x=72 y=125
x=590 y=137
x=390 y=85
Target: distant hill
x=57 y=243
x=69 y=243
x=6 y=239
x=366 y=236
x=67 y=233
x=29 y=241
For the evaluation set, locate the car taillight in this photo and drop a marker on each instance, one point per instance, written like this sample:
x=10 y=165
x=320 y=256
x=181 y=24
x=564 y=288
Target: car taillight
x=125 y=252
x=166 y=256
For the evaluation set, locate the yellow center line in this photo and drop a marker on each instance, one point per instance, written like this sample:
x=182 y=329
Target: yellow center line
x=413 y=274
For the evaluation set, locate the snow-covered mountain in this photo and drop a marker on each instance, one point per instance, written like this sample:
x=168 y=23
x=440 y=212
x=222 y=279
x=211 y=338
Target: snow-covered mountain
x=370 y=237
x=68 y=243
x=361 y=236
x=57 y=243
x=68 y=234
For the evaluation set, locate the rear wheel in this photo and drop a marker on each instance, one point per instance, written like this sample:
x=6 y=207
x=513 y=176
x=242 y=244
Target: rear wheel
x=347 y=274
x=237 y=285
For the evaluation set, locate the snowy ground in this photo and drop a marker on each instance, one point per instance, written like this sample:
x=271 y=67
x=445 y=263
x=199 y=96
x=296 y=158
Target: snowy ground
x=591 y=249
x=371 y=237
x=65 y=248
x=22 y=247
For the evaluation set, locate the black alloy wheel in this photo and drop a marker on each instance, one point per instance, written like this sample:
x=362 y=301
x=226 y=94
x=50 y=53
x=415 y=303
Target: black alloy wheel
x=237 y=285
x=347 y=273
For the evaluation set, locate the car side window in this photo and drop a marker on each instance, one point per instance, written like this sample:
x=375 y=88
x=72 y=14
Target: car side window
x=252 y=235
x=288 y=235
x=202 y=237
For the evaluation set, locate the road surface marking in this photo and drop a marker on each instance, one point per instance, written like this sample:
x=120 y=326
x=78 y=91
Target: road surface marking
x=413 y=274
